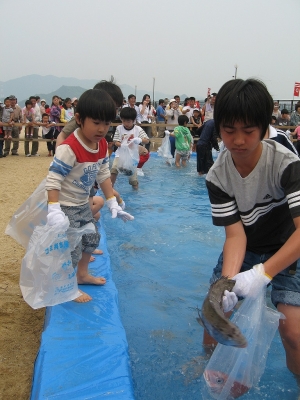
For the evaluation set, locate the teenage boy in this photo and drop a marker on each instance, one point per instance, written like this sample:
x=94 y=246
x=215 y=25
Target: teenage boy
x=254 y=190
x=136 y=134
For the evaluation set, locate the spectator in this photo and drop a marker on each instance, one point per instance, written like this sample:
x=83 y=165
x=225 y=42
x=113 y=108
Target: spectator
x=276 y=112
x=55 y=117
x=208 y=108
x=7 y=118
x=67 y=111
x=37 y=120
x=74 y=103
x=189 y=108
x=131 y=103
x=160 y=118
x=29 y=119
x=15 y=133
x=42 y=107
x=208 y=139
x=284 y=119
x=146 y=114
x=295 y=117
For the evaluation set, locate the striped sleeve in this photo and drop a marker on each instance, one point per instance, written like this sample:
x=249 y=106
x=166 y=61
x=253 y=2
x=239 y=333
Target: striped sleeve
x=291 y=187
x=60 y=169
x=223 y=207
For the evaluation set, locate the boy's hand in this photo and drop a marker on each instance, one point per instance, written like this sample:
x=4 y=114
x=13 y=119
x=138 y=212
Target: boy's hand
x=136 y=140
x=116 y=210
x=244 y=280
x=55 y=214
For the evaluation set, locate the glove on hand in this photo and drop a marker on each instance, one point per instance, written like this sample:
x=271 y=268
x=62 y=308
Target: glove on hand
x=116 y=210
x=55 y=215
x=167 y=132
x=229 y=301
x=244 y=280
x=136 y=140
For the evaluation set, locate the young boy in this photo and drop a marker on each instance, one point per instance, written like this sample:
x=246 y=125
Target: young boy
x=48 y=132
x=183 y=141
x=254 y=190
x=7 y=118
x=136 y=134
x=78 y=162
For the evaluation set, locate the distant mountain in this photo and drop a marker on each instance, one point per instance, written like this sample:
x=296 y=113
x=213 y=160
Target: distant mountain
x=49 y=85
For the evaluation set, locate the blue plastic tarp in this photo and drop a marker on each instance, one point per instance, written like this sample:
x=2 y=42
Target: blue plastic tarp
x=83 y=352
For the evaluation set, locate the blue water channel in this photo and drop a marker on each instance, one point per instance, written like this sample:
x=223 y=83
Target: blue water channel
x=161 y=264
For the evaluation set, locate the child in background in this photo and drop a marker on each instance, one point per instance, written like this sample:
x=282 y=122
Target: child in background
x=196 y=121
x=7 y=118
x=47 y=109
x=183 y=141
x=67 y=111
x=48 y=131
x=136 y=133
x=80 y=160
x=28 y=118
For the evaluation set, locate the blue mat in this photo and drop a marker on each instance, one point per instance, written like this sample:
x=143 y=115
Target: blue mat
x=83 y=352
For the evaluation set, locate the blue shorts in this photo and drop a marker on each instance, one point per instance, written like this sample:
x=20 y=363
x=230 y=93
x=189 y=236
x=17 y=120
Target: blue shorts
x=285 y=285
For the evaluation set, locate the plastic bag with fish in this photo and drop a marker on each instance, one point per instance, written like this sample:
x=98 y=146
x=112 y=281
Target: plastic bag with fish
x=232 y=371
x=165 y=150
x=128 y=156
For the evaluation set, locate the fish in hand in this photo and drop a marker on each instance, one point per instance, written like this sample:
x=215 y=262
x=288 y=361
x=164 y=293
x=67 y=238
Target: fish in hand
x=213 y=319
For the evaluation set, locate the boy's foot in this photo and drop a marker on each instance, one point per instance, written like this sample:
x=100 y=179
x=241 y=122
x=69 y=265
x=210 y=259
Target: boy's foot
x=92 y=259
x=91 y=280
x=97 y=252
x=83 y=298
x=135 y=187
x=177 y=165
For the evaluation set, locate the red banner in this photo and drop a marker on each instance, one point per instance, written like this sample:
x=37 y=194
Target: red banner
x=297 y=89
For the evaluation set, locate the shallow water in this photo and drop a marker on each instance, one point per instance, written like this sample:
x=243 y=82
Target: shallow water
x=161 y=264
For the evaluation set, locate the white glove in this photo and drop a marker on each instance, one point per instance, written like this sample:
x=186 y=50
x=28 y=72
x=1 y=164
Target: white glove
x=136 y=140
x=122 y=204
x=116 y=210
x=55 y=215
x=167 y=132
x=244 y=280
x=229 y=301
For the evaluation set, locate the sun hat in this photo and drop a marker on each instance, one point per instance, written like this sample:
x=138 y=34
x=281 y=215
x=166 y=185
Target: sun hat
x=74 y=98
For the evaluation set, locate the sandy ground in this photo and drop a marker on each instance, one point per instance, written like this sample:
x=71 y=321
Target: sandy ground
x=20 y=325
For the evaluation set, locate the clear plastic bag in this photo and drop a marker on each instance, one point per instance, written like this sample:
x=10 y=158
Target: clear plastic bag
x=31 y=213
x=47 y=275
x=232 y=371
x=165 y=150
x=128 y=157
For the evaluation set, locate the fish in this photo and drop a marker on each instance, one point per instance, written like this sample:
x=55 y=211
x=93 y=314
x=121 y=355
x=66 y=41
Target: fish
x=216 y=381
x=212 y=318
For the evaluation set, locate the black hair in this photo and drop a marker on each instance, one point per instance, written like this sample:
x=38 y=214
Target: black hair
x=274 y=118
x=213 y=94
x=65 y=101
x=54 y=97
x=96 y=104
x=113 y=90
x=128 y=113
x=6 y=98
x=192 y=98
x=160 y=101
x=28 y=102
x=186 y=101
x=144 y=98
x=32 y=97
x=246 y=101
x=46 y=105
x=182 y=119
x=131 y=96
x=176 y=95
x=45 y=115
x=284 y=111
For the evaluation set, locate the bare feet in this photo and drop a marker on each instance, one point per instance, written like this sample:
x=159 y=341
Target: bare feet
x=97 y=252
x=177 y=165
x=92 y=259
x=90 y=280
x=83 y=298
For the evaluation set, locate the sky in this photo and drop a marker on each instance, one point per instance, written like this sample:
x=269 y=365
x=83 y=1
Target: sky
x=174 y=46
